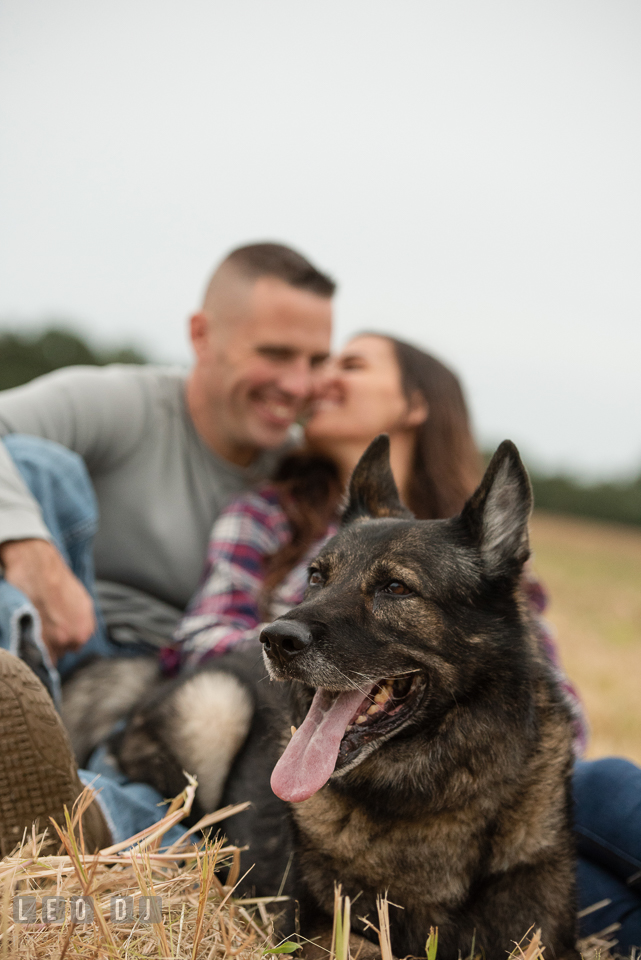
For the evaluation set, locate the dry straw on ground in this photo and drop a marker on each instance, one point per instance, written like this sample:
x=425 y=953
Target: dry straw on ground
x=201 y=918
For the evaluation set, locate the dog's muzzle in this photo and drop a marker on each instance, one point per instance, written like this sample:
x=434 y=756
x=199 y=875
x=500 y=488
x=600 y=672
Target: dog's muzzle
x=285 y=639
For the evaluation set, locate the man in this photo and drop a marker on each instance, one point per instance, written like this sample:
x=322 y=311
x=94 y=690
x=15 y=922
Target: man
x=164 y=452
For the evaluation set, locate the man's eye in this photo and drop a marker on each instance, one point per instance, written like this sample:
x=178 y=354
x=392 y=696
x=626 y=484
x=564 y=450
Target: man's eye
x=318 y=361
x=276 y=354
x=315 y=578
x=397 y=588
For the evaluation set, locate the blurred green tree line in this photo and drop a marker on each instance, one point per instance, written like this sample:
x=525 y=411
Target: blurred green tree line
x=620 y=502
x=25 y=356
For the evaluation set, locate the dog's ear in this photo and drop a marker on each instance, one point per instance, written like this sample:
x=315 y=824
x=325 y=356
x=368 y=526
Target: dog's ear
x=372 y=489
x=497 y=513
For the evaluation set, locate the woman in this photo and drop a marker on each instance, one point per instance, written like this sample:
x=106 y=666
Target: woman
x=261 y=546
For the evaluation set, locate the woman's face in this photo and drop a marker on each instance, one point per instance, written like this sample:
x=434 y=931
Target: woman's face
x=361 y=396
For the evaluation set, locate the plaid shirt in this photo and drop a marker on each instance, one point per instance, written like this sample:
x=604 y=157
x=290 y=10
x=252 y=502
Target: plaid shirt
x=226 y=608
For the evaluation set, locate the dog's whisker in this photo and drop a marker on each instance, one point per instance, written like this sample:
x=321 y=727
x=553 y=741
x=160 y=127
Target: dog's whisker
x=364 y=676
x=353 y=683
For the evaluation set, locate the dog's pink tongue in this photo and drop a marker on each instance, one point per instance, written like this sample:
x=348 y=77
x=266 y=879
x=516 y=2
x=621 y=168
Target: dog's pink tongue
x=310 y=757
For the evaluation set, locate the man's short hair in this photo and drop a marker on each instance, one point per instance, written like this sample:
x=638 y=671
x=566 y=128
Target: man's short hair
x=276 y=260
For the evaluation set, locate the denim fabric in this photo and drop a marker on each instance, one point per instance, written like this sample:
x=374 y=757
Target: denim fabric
x=128 y=807
x=20 y=634
x=607 y=822
x=59 y=481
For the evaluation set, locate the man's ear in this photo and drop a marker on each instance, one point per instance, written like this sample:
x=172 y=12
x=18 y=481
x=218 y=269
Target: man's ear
x=372 y=490
x=199 y=331
x=497 y=514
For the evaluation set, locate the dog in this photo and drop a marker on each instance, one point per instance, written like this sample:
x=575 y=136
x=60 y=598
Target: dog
x=416 y=741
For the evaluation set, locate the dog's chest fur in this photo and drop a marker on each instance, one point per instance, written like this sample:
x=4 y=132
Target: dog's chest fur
x=426 y=862
x=338 y=839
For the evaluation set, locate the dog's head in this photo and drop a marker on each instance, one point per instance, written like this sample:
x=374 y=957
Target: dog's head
x=401 y=617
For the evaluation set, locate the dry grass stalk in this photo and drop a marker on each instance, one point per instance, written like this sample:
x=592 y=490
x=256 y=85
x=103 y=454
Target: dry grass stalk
x=200 y=916
x=384 y=935
x=339 y=949
x=597 y=948
x=531 y=949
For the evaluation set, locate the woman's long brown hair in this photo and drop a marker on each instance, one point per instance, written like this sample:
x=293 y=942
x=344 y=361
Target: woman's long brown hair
x=446 y=468
x=447 y=464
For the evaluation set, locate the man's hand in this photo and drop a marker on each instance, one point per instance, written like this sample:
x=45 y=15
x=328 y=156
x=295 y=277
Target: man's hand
x=66 y=609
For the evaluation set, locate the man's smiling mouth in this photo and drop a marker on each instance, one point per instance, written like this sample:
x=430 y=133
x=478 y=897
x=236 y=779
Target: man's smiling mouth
x=278 y=411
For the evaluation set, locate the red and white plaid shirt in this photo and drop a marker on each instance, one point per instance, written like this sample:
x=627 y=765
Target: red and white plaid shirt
x=226 y=608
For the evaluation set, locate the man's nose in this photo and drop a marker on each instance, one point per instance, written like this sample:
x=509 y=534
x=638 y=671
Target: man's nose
x=324 y=379
x=297 y=380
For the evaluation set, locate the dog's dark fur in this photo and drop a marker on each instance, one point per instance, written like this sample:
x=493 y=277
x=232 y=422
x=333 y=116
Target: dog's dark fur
x=458 y=808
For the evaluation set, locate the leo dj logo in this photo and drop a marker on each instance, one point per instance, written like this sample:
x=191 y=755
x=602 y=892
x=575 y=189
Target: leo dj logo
x=81 y=910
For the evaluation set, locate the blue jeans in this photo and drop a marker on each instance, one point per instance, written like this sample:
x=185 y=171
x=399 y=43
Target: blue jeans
x=607 y=823
x=128 y=807
x=59 y=481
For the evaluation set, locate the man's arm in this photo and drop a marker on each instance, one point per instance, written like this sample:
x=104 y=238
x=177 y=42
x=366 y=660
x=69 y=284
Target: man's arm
x=98 y=414
x=34 y=566
x=65 y=607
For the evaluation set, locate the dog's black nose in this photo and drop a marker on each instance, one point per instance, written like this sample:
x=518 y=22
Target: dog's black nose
x=285 y=639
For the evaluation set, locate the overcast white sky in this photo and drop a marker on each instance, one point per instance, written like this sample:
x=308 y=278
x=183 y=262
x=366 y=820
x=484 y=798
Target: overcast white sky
x=470 y=172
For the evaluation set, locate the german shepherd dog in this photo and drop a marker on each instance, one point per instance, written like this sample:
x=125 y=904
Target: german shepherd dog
x=432 y=751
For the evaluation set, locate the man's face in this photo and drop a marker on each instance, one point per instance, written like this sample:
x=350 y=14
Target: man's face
x=258 y=372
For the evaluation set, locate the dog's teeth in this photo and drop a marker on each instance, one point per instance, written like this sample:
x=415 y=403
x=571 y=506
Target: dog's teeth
x=293 y=730
x=382 y=696
x=361 y=719
x=373 y=709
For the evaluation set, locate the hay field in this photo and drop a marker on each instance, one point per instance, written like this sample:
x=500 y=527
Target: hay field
x=592 y=572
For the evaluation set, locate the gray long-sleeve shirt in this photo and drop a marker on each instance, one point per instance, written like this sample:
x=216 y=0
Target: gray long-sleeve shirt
x=159 y=487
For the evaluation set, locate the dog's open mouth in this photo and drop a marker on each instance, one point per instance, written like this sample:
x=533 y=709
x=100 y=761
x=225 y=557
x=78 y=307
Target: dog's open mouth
x=337 y=726
x=385 y=708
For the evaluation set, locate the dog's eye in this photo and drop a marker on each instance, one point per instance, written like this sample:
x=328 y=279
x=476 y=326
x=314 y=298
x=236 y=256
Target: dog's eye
x=396 y=588
x=315 y=578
